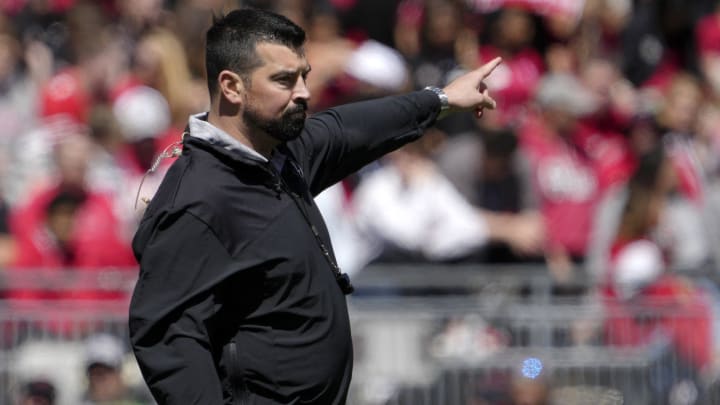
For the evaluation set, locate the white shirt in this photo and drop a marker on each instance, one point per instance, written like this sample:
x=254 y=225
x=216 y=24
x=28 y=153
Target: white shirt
x=427 y=215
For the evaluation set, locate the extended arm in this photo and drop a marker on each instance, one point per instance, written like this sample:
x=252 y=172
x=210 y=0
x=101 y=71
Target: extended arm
x=341 y=140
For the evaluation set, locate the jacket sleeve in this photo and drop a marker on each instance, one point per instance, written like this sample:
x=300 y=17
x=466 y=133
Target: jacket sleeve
x=339 y=141
x=172 y=310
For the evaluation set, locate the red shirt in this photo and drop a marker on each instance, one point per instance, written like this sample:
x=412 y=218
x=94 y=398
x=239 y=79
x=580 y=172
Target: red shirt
x=566 y=184
x=66 y=287
x=610 y=154
x=95 y=242
x=669 y=305
x=707 y=34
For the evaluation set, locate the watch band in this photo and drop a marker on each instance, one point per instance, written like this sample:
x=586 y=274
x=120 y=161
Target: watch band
x=444 y=102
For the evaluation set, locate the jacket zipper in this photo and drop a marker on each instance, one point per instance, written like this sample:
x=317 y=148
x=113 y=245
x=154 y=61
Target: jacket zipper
x=237 y=386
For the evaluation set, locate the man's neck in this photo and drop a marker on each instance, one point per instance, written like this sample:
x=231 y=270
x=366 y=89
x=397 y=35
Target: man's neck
x=260 y=143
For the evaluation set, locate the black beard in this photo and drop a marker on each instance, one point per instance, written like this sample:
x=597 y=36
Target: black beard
x=286 y=128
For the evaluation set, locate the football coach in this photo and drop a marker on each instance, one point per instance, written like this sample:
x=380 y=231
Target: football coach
x=239 y=298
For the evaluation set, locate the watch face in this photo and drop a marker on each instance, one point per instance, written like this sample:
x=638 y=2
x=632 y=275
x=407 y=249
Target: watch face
x=444 y=104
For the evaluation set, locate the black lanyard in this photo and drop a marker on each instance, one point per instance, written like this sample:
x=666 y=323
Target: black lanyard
x=342 y=279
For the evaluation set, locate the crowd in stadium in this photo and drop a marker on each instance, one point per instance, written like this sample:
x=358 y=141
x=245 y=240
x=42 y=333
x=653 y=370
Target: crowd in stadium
x=602 y=158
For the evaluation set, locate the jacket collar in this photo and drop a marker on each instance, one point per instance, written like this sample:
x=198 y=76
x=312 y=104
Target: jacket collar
x=214 y=138
x=199 y=127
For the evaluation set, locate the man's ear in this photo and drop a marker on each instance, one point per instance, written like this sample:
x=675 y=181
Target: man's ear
x=231 y=87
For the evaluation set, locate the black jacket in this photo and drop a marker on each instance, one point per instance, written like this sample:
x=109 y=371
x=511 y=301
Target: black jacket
x=235 y=302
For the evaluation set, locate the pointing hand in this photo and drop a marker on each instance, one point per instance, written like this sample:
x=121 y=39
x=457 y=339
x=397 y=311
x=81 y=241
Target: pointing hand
x=470 y=92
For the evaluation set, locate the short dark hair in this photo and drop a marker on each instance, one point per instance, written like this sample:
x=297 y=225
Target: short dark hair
x=71 y=199
x=231 y=41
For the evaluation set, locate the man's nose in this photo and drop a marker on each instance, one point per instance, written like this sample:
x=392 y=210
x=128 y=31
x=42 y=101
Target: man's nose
x=301 y=90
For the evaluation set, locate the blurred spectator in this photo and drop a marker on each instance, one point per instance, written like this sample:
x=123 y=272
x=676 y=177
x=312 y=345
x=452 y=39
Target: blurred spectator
x=22 y=71
x=367 y=19
x=603 y=133
x=138 y=16
x=642 y=297
x=514 y=81
x=43 y=21
x=658 y=42
x=635 y=257
x=676 y=122
x=161 y=63
x=32 y=157
x=707 y=40
x=408 y=211
x=104 y=357
x=326 y=43
x=438 y=45
x=617 y=98
x=490 y=173
x=71 y=92
x=37 y=392
x=56 y=249
x=105 y=171
x=603 y=24
x=643 y=136
x=485 y=168
x=58 y=363
x=693 y=219
x=689 y=216
x=564 y=177
x=144 y=120
x=66 y=224
x=643 y=48
x=566 y=40
x=432 y=58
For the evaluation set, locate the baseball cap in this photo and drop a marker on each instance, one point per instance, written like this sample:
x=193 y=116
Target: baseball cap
x=378 y=65
x=142 y=112
x=104 y=349
x=564 y=91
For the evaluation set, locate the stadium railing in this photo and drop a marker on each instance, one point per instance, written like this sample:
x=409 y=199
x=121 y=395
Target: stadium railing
x=440 y=334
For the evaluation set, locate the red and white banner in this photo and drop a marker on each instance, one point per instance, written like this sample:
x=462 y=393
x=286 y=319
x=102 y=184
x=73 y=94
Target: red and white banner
x=568 y=8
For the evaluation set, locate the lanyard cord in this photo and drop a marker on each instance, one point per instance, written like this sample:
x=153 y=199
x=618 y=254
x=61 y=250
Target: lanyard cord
x=171 y=151
x=342 y=279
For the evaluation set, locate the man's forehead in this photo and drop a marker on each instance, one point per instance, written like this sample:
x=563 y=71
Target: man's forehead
x=282 y=57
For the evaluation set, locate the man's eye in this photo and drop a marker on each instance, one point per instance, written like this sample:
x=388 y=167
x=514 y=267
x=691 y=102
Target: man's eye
x=286 y=79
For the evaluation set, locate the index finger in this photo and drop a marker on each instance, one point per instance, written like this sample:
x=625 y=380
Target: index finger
x=487 y=68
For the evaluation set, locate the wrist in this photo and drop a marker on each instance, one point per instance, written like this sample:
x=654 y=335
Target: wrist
x=444 y=101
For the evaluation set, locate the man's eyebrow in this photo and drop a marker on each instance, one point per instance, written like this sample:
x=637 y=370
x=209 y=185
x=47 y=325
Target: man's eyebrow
x=291 y=72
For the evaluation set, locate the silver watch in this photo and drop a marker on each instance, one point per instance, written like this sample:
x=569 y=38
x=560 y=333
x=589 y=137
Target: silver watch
x=444 y=102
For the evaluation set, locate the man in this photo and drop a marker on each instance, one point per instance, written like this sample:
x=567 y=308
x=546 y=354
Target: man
x=106 y=385
x=239 y=298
